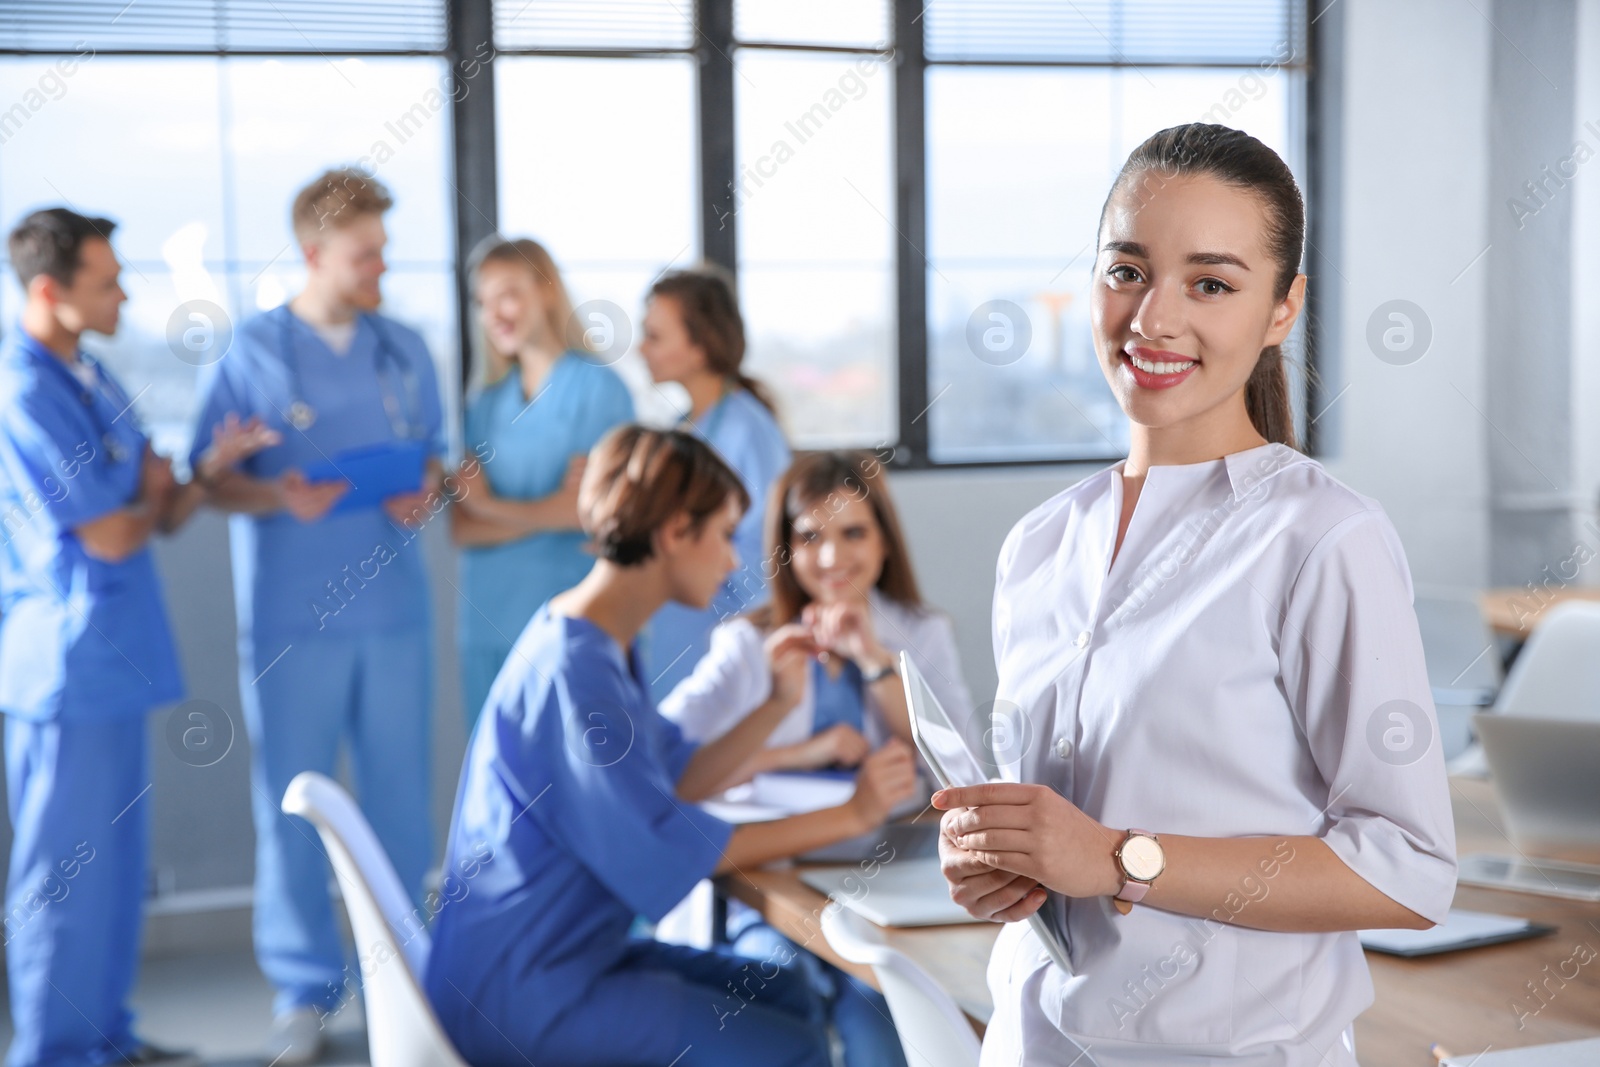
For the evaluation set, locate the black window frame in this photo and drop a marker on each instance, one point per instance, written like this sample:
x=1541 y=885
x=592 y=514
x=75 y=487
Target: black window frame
x=470 y=46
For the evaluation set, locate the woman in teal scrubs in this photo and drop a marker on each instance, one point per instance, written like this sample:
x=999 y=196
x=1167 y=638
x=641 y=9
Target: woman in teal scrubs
x=543 y=404
x=694 y=335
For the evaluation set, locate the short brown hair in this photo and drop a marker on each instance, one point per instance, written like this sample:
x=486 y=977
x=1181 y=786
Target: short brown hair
x=335 y=199
x=817 y=482
x=638 y=479
x=50 y=242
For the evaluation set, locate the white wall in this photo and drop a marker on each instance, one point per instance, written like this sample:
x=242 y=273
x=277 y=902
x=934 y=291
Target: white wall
x=1415 y=215
x=1586 y=274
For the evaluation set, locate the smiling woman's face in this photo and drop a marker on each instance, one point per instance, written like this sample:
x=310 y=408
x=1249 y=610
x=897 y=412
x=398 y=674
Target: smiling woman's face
x=1183 y=299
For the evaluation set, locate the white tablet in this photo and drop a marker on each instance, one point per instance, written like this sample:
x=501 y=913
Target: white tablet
x=953 y=764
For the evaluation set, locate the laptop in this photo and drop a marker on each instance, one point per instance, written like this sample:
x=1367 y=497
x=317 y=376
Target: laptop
x=894 y=841
x=904 y=892
x=1544 y=772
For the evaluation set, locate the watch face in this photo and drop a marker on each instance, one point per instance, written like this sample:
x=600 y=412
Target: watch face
x=1142 y=858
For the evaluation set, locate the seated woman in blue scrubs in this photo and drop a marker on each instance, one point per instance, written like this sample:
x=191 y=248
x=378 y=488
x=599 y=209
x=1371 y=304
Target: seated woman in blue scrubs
x=543 y=403
x=694 y=335
x=844 y=576
x=576 y=808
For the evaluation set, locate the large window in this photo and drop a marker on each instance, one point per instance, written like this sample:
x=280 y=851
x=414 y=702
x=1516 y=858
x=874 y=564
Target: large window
x=197 y=160
x=596 y=162
x=814 y=206
x=906 y=190
x=1030 y=113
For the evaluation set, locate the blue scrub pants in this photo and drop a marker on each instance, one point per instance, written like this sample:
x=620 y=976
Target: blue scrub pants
x=858 y=1012
x=667 y=1004
x=80 y=819
x=376 y=690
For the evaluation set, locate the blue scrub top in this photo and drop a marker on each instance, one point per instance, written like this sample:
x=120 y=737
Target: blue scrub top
x=349 y=573
x=567 y=826
x=80 y=638
x=747 y=436
x=525 y=449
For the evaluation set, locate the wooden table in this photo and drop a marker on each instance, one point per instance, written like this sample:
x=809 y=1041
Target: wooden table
x=1467 y=1001
x=1512 y=611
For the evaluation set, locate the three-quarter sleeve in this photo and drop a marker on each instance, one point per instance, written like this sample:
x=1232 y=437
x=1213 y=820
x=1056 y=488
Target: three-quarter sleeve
x=729 y=682
x=1354 y=675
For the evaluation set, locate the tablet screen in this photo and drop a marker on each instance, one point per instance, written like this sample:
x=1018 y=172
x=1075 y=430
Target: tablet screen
x=938 y=739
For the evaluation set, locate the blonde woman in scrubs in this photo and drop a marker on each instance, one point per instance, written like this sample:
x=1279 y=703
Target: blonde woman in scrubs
x=1218 y=743
x=543 y=403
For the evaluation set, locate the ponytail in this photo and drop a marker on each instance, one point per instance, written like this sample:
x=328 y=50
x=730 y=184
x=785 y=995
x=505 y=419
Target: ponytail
x=1267 y=398
x=755 y=388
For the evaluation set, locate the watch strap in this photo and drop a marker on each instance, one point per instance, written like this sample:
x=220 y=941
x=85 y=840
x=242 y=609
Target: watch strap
x=1133 y=890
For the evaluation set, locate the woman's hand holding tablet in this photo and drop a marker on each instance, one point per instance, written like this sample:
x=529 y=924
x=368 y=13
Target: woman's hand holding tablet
x=1033 y=832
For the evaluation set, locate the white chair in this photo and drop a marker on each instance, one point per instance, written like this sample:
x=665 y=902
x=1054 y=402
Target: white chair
x=1557 y=674
x=934 y=1032
x=392 y=943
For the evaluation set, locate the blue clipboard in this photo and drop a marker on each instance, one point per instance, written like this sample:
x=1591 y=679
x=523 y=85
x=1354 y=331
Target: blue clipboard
x=375 y=473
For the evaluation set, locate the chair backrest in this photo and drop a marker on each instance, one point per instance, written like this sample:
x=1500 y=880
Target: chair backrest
x=1463 y=659
x=1557 y=674
x=934 y=1032
x=392 y=941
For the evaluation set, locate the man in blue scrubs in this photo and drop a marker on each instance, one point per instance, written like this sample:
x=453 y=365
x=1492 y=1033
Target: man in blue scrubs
x=332 y=602
x=85 y=652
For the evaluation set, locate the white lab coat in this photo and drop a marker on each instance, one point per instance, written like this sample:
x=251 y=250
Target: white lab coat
x=732 y=679
x=1250 y=665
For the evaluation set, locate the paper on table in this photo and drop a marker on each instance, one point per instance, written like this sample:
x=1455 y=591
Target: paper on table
x=776 y=796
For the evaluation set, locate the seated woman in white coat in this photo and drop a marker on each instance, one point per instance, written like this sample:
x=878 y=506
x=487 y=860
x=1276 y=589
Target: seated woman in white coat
x=839 y=569
x=1227 y=756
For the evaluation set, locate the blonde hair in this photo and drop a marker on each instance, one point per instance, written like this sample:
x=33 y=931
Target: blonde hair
x=335 y=199
x=533 y=257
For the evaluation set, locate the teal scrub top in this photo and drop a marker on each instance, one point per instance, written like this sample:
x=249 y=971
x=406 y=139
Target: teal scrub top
x=349 y=573
x=524 y=449
x=567 y=826
x=80 y=638
x=745 y=434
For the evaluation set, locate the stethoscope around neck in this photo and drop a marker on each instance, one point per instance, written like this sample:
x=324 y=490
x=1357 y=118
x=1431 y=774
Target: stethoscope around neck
x=302 y=416
x=116 y=450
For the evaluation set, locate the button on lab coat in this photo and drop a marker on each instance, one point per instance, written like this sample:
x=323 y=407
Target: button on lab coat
x=1250 y=666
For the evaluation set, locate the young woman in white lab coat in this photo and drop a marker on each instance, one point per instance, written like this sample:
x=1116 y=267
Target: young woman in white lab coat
x=1222 y=746
x=841 y=574
x=839 y=567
